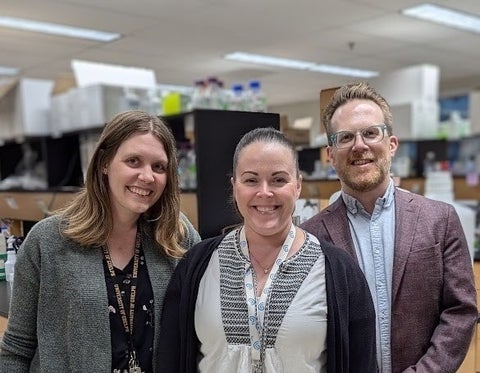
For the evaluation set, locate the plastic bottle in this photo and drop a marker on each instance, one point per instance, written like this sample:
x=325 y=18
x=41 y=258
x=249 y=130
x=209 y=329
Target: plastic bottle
x=198 y=96
x=11 y=259
x=183 y=167
x=429 y=163
x=3 y=255
x=257 y=100
x=191 y=169
x=237 y=98
x=213 y=94
x=223 y=95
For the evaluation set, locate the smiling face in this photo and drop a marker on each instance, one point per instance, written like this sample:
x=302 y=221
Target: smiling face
x=361 y=167
x=265 y=187
x=136 y=176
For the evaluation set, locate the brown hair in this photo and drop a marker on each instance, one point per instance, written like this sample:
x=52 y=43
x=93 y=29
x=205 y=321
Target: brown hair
x=88 y=219
x=267 y=135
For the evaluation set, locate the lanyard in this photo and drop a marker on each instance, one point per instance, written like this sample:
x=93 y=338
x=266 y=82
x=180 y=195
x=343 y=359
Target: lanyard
x=257 y=305
x=127 y=322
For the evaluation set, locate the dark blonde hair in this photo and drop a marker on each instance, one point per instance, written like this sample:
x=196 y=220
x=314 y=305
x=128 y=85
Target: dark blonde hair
x=88 y=219
x=356 y=91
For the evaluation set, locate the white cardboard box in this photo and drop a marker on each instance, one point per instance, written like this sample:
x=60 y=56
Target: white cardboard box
x=91 y=106
x=24 y=108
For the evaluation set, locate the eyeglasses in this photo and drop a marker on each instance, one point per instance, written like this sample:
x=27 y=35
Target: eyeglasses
x=370 y=135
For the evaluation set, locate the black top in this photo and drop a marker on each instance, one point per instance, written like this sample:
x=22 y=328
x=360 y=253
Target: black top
x=143 y=322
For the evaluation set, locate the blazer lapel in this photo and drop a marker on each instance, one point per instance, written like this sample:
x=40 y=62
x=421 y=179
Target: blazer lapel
x=406 y=215
x=338 y=226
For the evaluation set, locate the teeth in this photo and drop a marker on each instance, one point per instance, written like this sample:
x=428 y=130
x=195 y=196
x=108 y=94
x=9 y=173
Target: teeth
x=265 y=209
x=361 y=161
x=139 y=191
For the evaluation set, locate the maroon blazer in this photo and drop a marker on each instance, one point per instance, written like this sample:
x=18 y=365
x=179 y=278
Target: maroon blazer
x=434 y=309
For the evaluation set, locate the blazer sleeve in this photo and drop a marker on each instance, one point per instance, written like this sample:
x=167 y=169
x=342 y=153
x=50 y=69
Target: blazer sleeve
x=458 y=314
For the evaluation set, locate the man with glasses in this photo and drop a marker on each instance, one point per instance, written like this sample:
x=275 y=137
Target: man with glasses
x=411 y=249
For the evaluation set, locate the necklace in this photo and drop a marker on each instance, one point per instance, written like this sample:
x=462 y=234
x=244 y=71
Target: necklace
x=264 y=269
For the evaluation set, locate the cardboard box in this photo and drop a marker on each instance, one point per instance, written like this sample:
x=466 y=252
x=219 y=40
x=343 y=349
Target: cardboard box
x=92 y=106
x=325 y=96
x=63 y=83
x=297 y=136
x=24 y=108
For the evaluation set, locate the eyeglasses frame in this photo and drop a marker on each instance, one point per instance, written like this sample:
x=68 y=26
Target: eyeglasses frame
x=332 y=139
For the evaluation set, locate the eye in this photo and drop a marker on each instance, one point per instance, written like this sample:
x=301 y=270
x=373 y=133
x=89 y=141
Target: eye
x=345 y=137
x=159 y=167
x=248 y=180
x=371 y=132
x=133 y=161
x=280 y=180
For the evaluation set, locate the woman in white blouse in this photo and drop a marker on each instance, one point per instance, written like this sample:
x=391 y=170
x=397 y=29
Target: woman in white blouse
x=267 y=297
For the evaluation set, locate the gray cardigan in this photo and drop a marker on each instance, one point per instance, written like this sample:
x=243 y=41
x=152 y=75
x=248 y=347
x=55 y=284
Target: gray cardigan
x=59 y=319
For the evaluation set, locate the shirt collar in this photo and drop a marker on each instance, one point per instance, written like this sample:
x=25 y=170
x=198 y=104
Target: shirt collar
x=354 y=206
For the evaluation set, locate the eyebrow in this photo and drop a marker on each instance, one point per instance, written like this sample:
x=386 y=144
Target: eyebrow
x=249 y=172
x=273 y=174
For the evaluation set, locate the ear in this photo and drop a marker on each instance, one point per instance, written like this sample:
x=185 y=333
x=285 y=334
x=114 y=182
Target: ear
x=330 y=151
x=104 y=170
x=393 y=145
x=233 y=186
x=299 y=185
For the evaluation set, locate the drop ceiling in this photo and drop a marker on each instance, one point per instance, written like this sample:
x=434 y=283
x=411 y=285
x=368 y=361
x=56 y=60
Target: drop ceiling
x=183 y=40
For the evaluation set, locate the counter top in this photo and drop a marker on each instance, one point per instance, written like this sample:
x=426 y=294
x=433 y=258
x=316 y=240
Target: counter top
x=5 y=294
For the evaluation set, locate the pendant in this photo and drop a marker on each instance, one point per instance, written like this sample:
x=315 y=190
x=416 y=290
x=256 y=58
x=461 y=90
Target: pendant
x=133 y=366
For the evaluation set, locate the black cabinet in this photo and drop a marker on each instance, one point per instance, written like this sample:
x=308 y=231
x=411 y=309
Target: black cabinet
x=56 y=159
x=215 y=135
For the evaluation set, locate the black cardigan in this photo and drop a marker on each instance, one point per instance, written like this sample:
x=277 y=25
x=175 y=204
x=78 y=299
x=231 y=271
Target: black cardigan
x=350 y=320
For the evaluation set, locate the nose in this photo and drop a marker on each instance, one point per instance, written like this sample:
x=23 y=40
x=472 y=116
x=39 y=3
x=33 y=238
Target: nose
x=357 y=143
x=264 y=190
x=146 y=175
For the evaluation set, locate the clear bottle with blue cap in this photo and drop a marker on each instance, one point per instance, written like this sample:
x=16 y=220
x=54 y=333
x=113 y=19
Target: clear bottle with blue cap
x=257 y=100
x=11 y=259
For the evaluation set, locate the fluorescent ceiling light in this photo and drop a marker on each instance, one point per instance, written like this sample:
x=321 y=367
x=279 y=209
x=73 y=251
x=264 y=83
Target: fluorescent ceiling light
x=444 y=16
x=89 y=73
x=266 y=60
x=339 y=70
x=5 y=70
x=57 y=29
x=299 y=65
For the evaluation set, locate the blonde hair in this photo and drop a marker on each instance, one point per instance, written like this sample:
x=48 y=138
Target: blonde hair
x=356 y=91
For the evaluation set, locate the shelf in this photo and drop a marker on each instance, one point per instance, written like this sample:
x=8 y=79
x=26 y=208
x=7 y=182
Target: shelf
x=31 y=205
x=324 y=188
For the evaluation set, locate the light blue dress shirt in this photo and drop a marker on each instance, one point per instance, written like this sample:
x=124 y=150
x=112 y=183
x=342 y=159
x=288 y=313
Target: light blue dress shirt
x=373 y=236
